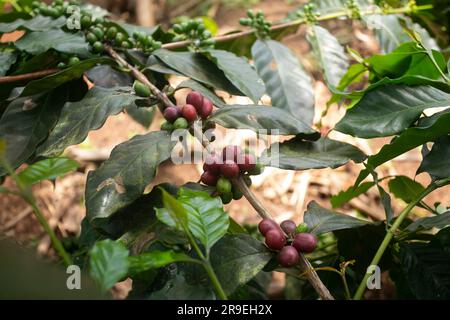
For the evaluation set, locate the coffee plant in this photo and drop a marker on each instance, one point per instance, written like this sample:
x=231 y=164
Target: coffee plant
x=72 y=67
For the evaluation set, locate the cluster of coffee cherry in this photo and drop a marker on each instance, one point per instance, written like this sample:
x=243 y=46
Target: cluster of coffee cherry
x=181 y=117
x=194 y=30
x=221 y=168
x=289 y=239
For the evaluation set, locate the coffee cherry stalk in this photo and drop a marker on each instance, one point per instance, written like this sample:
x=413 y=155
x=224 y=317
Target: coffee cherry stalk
x=287 y=238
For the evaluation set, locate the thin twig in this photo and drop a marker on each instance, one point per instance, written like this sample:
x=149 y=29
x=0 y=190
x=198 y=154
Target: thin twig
x=28 y=76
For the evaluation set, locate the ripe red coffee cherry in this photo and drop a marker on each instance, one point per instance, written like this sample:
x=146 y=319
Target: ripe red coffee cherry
x=288 y=257
x=305 y=242
x=196 y=99
x=275 y=239
x=171 y=114
x=288 y=226
x=266 y=225
x=189 y=113
x=248 y=163
x=206 y=108
x=229 y=169
x=212 y=163
x=209 y=178
x=231 y=153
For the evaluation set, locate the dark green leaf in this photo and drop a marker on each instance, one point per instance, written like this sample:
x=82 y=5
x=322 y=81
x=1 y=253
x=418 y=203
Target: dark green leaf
x=66 y=75
x=286 y=82
x=41 y=41
x=426 y=270
x=347 y=195
x=123 y=177
x=428 y=129
x=155 y=260
x=108 y=263
x=108 y=77
x=402 y=105
x=41 y=61
x=37 y=23
x=405 y=188
x=261 y=118
x=321 y=220
x=437 y=161
x=386 y=202
x=237 y=258
x=47 y=169
x=194 y=85
x=142 y=115
x=296 y=154
x=197 y=67
x=329 y=52
x=439 y=221
x=90 y=113
x=7 y=59
x=178 y=289
x=239 y=72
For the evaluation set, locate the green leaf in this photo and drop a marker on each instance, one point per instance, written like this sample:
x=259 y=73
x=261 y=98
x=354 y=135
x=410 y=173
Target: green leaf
x=401 y=106
x=52 y=81
x=47 y=169
x=108 y=77
x=321 y=220
x=41 y=41
x=405 y=188
x=37 y=23
x=239 y=72
x=194 y=85
x=428 y=129
x=7 y=59
x=90 y=113
x=108 y=263
x=206 y=219
x=354 y=74
x=142 y=115
x=197 y=67
x=256 y=117
x=329 y=52
x=426 y=270
x=237 y=258
x=439 y=221
x=123 y=177
x=156 y=260
x=347 y=195
x=26 y=122
x=437 y=161
x=390 y=33
x=179 y=289
x=296 y=154
x=286 y=82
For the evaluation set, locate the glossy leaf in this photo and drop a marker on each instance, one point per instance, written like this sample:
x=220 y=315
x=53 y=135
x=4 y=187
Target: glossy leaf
x=329 y=53
x=438 y=221
x=108 y=77
x=237 y=258
x=156 y=259
x=66 y=75
x=123 y=177
x=437 y=161
x=239 y=72
x=37 y=23
x=7 y=59
x=427 y=130
x=286 y=82
x=42 y=41
x=321 y=220
x=142 y=115
x=197 y=67
x=296 y=154
x=90 y=113
x=405 y=188
x=195 y=86
x=47 y=169
x=108 y=263
x=261 y=117
x=347 y=195
x=402 y=105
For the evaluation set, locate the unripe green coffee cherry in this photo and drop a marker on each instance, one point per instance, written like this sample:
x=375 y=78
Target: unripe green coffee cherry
x=61 y=65
x=141 y=89
x=125 y=45
x=223 y=186
x=302 y=227
x=237 y=194
x=258 y=169
x=98 y=33
x=177 y=28
x=91 y=38
x=98 y=47
x=73 y=61
x=167 y=126
x=100 y=21
x=180 y=123
x=120 y=37
x=85 y=21
x=111 y=33
x=226 y=198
